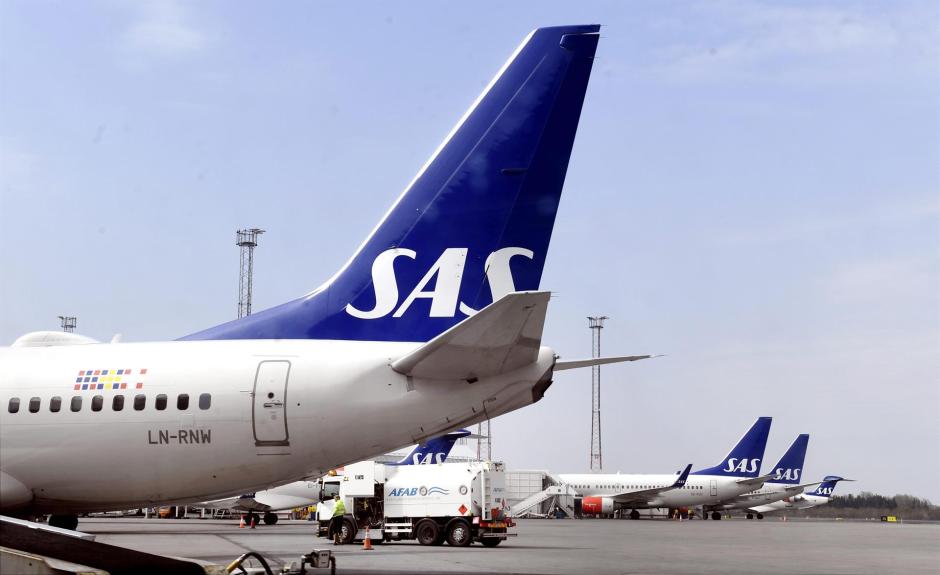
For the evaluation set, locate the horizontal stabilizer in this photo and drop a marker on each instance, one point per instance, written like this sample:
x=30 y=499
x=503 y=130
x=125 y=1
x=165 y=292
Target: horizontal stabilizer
x=756 y=482
x=576 y=363
x=502 y=337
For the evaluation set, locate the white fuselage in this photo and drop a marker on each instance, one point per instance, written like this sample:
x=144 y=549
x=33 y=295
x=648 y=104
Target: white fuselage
x=768 y=493
x=804 y=501
x=278 y=411
x=699 y=490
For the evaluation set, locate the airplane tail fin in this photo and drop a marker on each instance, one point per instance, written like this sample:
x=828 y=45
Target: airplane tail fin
x=828 y=485
x=790 y=467
x=473 y=225
x=745 y=457
x=434 y=450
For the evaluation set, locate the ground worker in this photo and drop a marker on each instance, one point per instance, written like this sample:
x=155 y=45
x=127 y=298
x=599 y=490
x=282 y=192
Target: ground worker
x=336 y=522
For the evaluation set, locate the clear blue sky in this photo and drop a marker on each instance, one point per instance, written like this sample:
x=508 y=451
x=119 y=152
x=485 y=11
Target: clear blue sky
x=754 y=191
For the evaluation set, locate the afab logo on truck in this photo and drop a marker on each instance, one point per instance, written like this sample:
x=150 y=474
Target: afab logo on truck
x=422 y=491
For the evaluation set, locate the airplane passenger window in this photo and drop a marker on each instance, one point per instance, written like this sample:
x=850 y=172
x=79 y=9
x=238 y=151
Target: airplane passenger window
x=117 y=404
x=55 y=404
x=140 y=401
x=160 y=402
x=14 y=405
x=34 y=405
x=96 y=403
x=182 y=402
x=76 y=403
x=205 y=400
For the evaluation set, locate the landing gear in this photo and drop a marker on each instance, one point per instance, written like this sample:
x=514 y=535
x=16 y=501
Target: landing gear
x=760 y=515
x=750 y=516
x=64 y=521
x=634 y=514
x=270 y=518
x=716 y=516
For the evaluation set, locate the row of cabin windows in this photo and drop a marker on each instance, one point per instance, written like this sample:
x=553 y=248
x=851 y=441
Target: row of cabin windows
x=612 y=486
x=117 y=403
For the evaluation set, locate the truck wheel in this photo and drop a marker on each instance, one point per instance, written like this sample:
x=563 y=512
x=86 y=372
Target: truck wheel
x=490 y=541
x=427 y=532
x=458 y=533
x=347 y=532
x=270 y=518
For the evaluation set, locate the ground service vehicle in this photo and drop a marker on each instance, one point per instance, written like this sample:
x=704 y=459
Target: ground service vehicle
x=455 y=502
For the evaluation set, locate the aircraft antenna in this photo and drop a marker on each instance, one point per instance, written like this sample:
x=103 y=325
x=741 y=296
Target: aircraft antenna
x=596 y=324
x=68 y=323
x=247 y=240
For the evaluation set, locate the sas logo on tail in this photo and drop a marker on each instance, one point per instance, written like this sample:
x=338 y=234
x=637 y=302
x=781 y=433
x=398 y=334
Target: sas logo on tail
x=787 y=474
x=745 y=465
x=445 y=275
x=824 y=491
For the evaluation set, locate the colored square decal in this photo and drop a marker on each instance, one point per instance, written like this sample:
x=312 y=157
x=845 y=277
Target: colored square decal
x=87 y=379
x=120 y=372
x=78 y=380
x=84 y=386
x=143 y=371
x=100 y=386
x=127 y=372
x=104 y=372
x=94 y=379
x=115 y=386
x=139 y=385
x=77 y=387
x=97 y=372
x=123 y=386
x=82 y=372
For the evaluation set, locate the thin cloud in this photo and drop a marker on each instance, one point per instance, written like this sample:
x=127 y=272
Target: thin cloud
x=788 y=42
x=164 y=28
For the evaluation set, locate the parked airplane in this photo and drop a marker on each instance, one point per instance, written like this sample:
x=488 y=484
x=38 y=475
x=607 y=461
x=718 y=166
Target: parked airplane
x=429 y=327
x=305 y=493
x=814 y=498
x=784 y=483
x=738 y=472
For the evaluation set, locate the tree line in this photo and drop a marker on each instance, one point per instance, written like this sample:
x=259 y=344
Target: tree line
x=872 y=505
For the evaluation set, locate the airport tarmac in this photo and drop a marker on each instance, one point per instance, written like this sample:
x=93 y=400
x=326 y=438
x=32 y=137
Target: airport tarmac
x=568 y=546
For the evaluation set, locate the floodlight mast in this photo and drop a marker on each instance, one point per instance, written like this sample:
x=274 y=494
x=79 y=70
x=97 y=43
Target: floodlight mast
x=247 y=240
x=68 y=323
x=596 y=324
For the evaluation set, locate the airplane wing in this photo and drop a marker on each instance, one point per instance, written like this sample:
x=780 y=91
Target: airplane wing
x=502 y=337
x=756 y=482
x=576 y=363
x=647 y=495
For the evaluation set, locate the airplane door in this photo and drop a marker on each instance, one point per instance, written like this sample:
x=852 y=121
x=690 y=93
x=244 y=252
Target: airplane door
x=714 y=487
x=269 y=403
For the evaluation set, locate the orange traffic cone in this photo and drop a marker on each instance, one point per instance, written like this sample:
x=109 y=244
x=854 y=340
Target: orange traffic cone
x=253 y=521
x=367 y=542
x=241 y=524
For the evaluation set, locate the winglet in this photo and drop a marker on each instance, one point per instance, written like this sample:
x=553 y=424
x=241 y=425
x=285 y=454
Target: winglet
x=683 y=477
x=502 y=337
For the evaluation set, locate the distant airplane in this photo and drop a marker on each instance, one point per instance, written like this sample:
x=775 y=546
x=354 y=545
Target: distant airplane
x=737 y=473
x=432 y=325
x=784 y=483
x=305 y=493
x=806 y=500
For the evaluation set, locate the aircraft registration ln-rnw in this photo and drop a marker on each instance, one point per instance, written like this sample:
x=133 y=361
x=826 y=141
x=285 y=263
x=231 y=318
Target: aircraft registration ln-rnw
x=433 y=324
x=736 y=474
